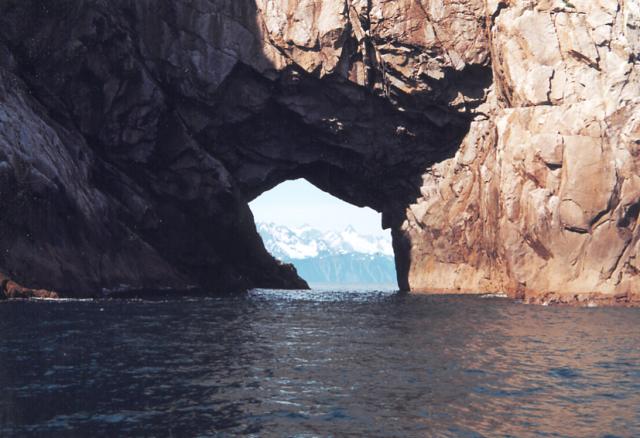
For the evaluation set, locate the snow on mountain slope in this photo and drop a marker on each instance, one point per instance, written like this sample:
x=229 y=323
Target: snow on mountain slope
x=306 y=242
x=332 y=257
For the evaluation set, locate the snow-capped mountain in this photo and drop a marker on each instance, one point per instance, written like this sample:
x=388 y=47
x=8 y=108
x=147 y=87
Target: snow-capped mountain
x=332 y=257
x=306 y=242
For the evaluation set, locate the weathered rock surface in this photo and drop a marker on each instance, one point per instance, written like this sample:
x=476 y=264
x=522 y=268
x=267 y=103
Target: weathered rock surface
x=499 y=138
x=542 y=199
x=11 y=290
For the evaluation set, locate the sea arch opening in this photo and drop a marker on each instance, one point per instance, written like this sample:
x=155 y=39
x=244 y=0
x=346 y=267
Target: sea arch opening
x=332 y=243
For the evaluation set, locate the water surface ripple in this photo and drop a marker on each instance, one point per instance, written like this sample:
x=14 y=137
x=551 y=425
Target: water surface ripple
x=322 y=363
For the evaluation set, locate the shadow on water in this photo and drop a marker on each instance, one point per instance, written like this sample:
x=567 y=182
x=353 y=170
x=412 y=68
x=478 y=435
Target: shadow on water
x=113 y=367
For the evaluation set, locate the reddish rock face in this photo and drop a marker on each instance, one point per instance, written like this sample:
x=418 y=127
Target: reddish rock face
x=12 y=290
x=497 y=138
x=542 y=198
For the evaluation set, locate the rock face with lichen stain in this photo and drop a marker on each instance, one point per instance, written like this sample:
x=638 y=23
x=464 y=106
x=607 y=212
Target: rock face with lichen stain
x=498 y=138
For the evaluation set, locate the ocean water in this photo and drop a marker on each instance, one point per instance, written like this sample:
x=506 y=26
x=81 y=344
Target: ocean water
x=320 y=363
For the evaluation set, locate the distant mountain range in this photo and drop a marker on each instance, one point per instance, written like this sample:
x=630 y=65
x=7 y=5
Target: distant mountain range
x=332 y=257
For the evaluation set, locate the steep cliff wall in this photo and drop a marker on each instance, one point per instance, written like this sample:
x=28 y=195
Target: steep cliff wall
x=498 y=138
x=542 y=199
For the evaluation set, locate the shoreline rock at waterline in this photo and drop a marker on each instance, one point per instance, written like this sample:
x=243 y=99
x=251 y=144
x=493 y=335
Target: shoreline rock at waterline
x=11 y=290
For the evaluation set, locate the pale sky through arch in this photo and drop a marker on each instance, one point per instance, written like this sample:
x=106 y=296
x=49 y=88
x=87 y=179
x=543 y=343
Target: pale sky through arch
x=298 y=202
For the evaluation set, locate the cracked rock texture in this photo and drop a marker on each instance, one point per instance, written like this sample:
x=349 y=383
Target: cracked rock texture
x=500 y=139
x=542 y=199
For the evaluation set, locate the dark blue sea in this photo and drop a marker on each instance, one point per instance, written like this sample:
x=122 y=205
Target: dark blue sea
x=320 y=363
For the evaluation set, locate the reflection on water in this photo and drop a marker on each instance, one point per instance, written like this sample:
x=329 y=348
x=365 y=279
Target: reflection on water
x=276 y=363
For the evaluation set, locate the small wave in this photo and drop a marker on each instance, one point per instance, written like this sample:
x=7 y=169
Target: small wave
x=495 y=295
x=564 y=372
x=61 y=300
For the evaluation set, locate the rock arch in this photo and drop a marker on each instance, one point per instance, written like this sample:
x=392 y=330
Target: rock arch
x=135 y=132
x=152 y=124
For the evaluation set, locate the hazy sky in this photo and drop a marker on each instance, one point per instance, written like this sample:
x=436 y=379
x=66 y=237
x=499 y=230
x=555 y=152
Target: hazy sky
x=295 y=203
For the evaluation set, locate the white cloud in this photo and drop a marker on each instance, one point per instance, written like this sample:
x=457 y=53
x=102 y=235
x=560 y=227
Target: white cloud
x=296 y=203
